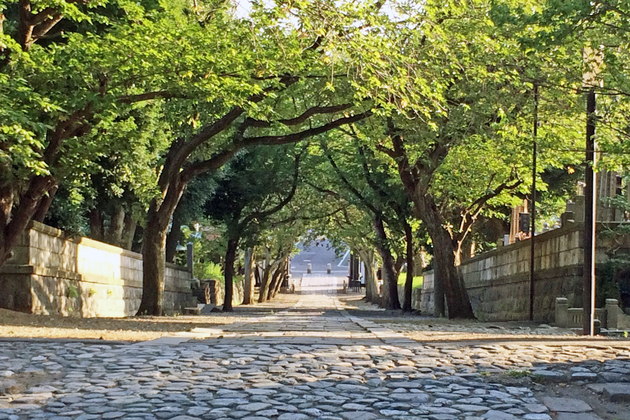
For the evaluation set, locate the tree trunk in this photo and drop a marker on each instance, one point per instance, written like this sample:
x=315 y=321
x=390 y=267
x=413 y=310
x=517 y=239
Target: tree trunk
x=115 y=232
x=230 y=257
x=154 y=250
x=283 y=273
x=389 y=298
x=96 y=225
x=14 y=220
x=257 y=275
x=248 y=280
x=371 y=282
x=129 y=232
x=153 y=266
x=439 y=309
x=276 y=280
x=175 y=235
x=444 y=249
x=264 y=278
x=408 y=304
x=44 y=205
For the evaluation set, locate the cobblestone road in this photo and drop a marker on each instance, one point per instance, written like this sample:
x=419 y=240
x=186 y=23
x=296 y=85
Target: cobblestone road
x=310 y=361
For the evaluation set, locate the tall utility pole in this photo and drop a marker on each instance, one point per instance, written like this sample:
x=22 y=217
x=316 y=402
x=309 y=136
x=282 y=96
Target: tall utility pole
x=532 y=221
x=590 y=218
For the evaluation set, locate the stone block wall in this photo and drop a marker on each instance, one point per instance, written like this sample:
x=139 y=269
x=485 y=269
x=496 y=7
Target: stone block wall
x=52 y=273
x=498 y=281
x=217 y=294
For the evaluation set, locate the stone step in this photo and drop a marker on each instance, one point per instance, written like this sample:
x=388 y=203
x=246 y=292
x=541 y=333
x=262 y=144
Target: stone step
x=192 y=311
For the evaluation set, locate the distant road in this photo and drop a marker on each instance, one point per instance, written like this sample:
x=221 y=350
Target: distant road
x=319 y=255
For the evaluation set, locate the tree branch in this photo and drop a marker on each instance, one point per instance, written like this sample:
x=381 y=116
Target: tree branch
x=470 y=214
x=296 y=137
x=281 y=204
x=251 y=122
x=350 y=187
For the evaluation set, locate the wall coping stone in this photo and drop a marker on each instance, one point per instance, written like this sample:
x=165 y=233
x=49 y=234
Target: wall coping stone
x=40 y=271
x=48 y=230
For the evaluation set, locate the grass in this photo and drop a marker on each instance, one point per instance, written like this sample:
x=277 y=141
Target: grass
x=518 y=373
x=417 y=280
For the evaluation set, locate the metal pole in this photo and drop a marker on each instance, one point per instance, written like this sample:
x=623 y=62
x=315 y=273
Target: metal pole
x=532 y=211
x=590 y=218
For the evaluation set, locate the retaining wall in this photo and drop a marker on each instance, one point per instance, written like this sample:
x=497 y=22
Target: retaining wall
x=498 y=281
x=52 y=273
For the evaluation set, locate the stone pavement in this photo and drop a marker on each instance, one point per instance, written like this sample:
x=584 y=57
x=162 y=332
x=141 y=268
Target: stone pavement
x=311 y=361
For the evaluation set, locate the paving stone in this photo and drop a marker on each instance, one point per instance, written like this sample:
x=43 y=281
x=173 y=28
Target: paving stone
x=498 y=415
x=293 y=416
x=301 y=364
x=569 y=405
x=550 y=375
x=359 y=415
x=254 y=406
x=537 y=416
x=583 y=376
x=113 y=415
x=617 y=392
x=577 y=416
x=536 y=408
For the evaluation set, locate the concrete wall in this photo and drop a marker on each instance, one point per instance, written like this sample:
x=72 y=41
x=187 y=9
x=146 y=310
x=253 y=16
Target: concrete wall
x=498 y=281
x=52 y=273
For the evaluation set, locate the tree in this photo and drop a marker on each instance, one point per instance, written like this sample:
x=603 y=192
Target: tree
x=68 y=68
x=438 y=91
x=258 y=184
x=362 y=186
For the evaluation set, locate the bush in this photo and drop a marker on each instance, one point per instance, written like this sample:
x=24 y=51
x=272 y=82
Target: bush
x=417 y=280
x=613 y=280
x=212 y=271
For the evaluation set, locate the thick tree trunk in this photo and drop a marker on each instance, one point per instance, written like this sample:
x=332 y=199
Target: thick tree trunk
x=154 y=250
x=14 y=220
x=96 y=225
x=444 y=249
x=115 y=232
x=439 y=308
x=408 y=304
x=175 y=235
x=248 y=280
x=153 y=266
x=389 y=299
x=230 y=257
x=371 y=282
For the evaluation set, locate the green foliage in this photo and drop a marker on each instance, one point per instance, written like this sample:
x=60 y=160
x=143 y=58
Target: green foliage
x=613 y=280
x=210 y=270
x=417 y=280
x=72 y=291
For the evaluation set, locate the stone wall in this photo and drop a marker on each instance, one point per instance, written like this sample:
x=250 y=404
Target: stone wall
x=52 y=273
x=416 y=298
x=498 y=281
x=217 y=292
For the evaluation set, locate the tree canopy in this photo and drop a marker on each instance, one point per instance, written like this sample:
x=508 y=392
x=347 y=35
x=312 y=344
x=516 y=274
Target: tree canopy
x=381 y=124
